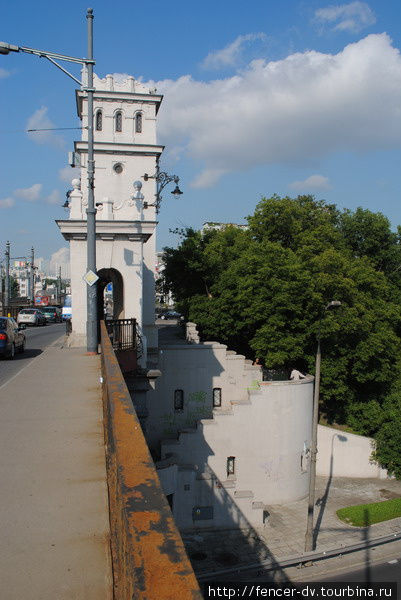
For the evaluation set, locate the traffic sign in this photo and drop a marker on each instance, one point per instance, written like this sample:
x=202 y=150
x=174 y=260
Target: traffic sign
x=90 y=277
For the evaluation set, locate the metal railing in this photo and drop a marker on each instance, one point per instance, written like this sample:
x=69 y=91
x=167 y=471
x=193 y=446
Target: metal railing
x=123 y=335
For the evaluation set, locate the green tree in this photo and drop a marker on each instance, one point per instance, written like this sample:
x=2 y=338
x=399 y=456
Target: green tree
x=388 y=437
x=262 y=292
x=14 y=287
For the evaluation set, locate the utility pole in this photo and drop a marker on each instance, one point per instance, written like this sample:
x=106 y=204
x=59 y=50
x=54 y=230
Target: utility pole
x=7 y=279
x=91 y=324
x=59 y=284
x=32 y=277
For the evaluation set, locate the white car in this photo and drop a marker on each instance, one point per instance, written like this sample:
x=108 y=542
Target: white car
x=31 y=316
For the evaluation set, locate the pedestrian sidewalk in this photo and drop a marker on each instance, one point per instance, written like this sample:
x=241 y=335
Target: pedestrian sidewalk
x=283 y=535
x=54 y=517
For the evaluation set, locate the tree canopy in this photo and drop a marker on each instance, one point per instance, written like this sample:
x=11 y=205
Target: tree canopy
x=263 y=291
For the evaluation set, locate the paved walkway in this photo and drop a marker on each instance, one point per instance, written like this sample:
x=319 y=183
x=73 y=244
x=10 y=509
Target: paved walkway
x=54 y=539
x=283 y=536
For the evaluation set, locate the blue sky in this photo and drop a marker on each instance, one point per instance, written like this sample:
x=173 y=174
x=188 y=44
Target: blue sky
x=259 y=98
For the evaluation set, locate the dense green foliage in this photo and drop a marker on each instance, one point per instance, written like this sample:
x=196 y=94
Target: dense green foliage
x=363 y=515
x=14 y=287
x=263 y=292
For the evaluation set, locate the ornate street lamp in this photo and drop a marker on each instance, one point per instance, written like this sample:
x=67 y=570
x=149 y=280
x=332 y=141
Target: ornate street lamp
x=162 y=179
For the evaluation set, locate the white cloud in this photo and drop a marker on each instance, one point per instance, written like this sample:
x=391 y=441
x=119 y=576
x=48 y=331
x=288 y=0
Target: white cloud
x=351 y=17
x=40 y=120
x=60 y=258
x=207 y=178
x=54 y=197
x=68 y=173
x=314 y=182
x=31 y=194
x=228 y=56
x=294 y=110
x=7 y=202
x=4 y=73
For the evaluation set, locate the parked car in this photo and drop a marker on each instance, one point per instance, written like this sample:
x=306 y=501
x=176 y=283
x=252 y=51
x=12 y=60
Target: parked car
x=171 y=314
x=12 y=338
x=52 y=313
x=31 y=316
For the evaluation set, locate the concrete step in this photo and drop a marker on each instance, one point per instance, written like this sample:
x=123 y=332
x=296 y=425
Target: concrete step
x=165 y=462
x=207 y=422
x=227 y=484
x=187 y=467
x=243 y=494
x=240 y=402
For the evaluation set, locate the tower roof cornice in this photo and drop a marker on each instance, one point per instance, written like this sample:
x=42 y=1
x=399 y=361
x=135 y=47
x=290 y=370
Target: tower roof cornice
x=109 y=96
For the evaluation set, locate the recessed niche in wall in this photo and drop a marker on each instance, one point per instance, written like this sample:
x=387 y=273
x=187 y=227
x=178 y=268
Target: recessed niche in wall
x=178 y=400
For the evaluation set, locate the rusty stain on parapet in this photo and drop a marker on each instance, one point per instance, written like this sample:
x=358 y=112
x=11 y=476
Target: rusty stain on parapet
x=149 y=558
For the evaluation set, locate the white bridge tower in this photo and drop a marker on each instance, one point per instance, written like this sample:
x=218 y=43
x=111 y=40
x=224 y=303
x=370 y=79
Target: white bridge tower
x=125 y=149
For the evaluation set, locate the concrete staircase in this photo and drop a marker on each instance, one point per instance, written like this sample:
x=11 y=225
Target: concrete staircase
x=243 y=381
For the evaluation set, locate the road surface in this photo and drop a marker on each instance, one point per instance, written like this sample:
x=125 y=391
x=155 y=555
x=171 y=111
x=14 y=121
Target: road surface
x=37 y=338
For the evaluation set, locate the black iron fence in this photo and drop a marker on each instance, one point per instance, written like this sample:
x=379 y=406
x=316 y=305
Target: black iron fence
x=123 y=335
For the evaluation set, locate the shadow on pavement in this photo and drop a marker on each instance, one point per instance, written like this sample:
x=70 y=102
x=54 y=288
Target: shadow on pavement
x=321 y=502
x=29 y=353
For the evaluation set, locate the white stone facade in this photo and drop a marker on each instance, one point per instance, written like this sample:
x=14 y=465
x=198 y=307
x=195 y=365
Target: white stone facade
x=264 y=426
x=124 y=150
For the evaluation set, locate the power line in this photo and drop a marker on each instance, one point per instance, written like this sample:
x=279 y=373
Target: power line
x=44 y=129
x=54 y=129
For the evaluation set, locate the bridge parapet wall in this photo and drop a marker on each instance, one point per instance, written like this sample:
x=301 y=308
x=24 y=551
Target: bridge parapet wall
x=149 y=559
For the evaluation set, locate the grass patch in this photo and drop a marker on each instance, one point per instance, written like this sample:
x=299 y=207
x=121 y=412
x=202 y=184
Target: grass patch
x=367 y=514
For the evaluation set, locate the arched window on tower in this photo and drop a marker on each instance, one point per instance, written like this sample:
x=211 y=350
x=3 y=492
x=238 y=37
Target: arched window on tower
x=99 y=120
x=119 y=121
x=138 y=123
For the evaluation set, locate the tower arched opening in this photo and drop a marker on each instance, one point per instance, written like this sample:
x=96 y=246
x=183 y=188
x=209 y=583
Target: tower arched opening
x=110 y=294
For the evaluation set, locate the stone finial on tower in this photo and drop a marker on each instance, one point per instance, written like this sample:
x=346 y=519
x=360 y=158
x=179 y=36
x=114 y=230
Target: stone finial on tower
x=76 y=210
x=110 y=82
x=137 y=197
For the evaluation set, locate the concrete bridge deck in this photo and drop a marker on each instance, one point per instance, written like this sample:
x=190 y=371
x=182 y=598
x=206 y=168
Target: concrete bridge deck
x=54 y=541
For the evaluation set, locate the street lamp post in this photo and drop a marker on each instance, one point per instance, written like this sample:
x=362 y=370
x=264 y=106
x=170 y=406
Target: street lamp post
x=7 y=278
x=32 y=278
x=5 y=48
x=313 y=452
x=162 y=179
